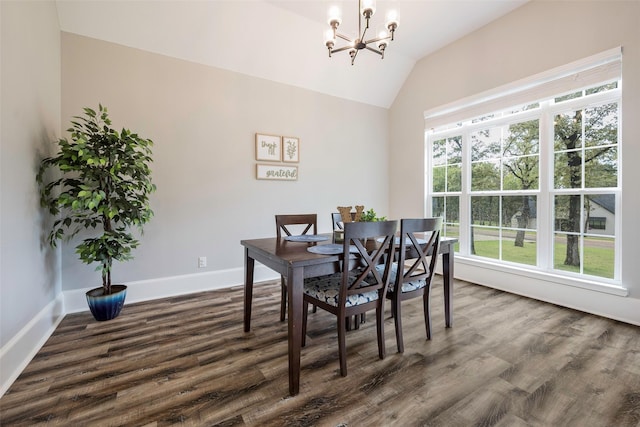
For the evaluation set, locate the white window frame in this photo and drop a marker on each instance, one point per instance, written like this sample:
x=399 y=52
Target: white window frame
x=440 y=123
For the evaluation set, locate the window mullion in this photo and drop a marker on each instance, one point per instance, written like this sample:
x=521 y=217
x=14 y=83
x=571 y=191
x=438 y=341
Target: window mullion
x=545 y=195
x=465 y=200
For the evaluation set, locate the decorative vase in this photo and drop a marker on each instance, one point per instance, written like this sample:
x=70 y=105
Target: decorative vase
x=106 y=307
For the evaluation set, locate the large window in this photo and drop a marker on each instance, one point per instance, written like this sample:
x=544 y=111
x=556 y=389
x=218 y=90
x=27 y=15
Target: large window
x=534 y=185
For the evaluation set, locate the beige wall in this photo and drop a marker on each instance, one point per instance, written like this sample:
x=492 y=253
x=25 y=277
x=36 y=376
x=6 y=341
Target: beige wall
x=539 y=36
x=30 y=118
x=203 y=122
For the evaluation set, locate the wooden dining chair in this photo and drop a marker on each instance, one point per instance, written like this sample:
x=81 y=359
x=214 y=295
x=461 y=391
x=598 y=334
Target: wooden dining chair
x=361 y=286
x=338 y=224
x=412 y=274
x=301 y=224
x=336 y=220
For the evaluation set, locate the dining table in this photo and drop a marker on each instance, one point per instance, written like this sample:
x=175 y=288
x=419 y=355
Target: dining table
x=292 y=259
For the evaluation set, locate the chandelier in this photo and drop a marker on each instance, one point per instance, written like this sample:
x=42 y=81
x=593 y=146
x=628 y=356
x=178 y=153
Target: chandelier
x=366 y=9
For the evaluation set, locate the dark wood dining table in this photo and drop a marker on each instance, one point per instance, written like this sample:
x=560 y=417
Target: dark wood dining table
x=292 y=260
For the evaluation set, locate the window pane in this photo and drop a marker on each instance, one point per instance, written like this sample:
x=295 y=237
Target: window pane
x=601 y=125
x=439 y=152
x=567 y=170
x=521 y=173
x=568 y=131
x=454 y=178
x=439 y=178
x=485 y=210
x=523 y=108
x=483 y=118
x=519 y=246
x=449 y=209
x=454 y=150
x=485 y=176
x=566 y=252
x=485 y=144
x=567 y=213
x=453 y=210
x=519 y=212
x=599 y=256
x=446 y=207
x=522 y=139
x=601 y=167
x=453 y=230
x=485 y=242
x=568 y=96
x=437 y=206
x=602 y=88
x=600 y=211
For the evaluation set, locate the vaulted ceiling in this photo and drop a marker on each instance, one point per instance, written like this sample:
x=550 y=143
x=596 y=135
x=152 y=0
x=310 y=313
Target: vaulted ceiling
x=282 y=40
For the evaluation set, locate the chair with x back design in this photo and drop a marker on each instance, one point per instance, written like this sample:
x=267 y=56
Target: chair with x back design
x=288 y=224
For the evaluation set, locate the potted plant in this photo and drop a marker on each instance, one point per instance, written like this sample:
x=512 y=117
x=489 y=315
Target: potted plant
x=371 y=216
x=103 y=184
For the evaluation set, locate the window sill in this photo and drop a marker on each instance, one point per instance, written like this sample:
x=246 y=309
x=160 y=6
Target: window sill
x=550 y=278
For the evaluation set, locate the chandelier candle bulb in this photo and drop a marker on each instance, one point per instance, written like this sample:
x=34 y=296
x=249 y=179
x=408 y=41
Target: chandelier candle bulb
x=392 y=22
x=334 y=15
x=368 y=8
x=329 y=40
x=392 y=18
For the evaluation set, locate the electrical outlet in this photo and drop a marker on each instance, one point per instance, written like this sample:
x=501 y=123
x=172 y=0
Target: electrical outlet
x=202 y=262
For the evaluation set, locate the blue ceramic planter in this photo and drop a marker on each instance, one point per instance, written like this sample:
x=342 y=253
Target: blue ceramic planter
x=106 y=307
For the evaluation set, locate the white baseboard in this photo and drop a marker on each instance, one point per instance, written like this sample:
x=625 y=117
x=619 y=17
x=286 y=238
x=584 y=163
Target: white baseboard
x=18 y=352
x=612 y=305
x=144 y=290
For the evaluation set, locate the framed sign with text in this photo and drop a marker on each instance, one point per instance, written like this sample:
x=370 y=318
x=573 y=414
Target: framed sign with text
x=277 y=172
x=268 y=147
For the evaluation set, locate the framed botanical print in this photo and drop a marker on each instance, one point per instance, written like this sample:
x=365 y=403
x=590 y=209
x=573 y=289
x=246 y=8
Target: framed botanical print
x=290 y=149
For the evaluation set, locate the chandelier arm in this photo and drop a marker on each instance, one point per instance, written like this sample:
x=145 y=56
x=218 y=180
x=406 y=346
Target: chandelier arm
x=340 y=36
x=377 y=39
x=363 y=34
x=341 y=49
x=372 y=50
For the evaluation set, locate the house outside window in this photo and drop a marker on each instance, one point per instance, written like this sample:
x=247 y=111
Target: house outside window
x=534 y=185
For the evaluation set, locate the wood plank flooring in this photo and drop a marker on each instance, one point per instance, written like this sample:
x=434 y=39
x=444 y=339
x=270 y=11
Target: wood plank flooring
x=507 y=361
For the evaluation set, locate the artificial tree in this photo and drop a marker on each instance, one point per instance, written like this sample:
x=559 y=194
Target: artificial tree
x=103 y=183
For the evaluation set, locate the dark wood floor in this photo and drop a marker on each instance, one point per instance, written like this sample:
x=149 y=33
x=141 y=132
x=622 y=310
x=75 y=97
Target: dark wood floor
x=507 y=361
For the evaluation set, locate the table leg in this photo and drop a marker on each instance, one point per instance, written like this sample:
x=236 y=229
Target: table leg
x=248 y=289
x=447 y=276
x=295 y=306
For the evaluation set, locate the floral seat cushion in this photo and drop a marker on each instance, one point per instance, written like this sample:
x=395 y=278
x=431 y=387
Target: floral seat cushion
x=406 y=287
x=327 y=289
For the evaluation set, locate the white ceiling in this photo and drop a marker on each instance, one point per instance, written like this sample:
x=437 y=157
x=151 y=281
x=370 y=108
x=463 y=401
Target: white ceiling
x=282 y=40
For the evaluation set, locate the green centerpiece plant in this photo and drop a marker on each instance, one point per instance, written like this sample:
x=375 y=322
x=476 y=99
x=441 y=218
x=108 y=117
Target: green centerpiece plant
x=371 y=216
x=102 y=183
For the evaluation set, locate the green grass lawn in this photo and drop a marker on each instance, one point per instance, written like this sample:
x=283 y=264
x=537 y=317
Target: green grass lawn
x=598 y=261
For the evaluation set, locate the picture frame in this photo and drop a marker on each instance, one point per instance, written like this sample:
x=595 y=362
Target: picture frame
x=268 y=147
x=290 y=149
x=276 y=172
